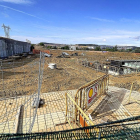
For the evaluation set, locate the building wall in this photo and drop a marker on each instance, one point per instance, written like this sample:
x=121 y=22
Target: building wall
x=125 y=47
x=9 y=47
x=72 y=48
x=91 y=47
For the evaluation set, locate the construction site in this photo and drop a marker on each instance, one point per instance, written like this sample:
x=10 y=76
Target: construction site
x=86 y=95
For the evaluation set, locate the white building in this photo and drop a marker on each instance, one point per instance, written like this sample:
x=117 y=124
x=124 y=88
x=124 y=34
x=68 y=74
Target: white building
x=72 y=48
x=125 y=47
x=91 y=47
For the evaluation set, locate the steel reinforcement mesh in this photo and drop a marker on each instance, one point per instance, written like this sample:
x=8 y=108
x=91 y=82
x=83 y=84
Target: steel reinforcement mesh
x=122 y=129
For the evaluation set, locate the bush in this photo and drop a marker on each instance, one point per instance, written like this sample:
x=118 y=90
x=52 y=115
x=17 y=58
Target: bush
x=137 y=50
x=41 y=44
x=98 y=49
x=49 y=47
x=129 y=50
x=78 y=48
x=65 y=48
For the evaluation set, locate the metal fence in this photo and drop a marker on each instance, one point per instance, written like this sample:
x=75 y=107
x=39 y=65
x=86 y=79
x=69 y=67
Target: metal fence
x=18 y=95
x=84 y=98
x=71 y=107
x=20 y=86
x=110 y=69
x=86 y=94
x=111 y=131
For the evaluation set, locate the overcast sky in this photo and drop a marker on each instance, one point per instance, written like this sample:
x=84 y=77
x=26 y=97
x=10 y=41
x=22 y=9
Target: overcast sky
x=112 y=22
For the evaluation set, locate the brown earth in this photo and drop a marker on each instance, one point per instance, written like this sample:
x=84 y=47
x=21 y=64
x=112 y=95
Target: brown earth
x=22 y=75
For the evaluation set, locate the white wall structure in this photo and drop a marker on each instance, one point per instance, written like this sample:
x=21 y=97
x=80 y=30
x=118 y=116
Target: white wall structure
x=91 y=47
x=9 y=47
x=125 y=47
x=72 y=48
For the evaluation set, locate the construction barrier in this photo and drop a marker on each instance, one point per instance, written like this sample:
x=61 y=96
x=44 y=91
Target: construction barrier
x=131 y=99
x=137 y=53
x=71 y=105
x=38 y=51
x=84 y=120
x=84 y=98
x=89 y=93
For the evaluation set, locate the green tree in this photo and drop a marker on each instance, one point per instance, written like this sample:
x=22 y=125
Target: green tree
x=41 y=44
x=122 y=50
x=98 y=48
x=137 y=50
x=78 y=48
x=129 y=50
x=115 y=48
x=32 y=45
x=65 y=48
x=85 y=48
x=107 y=49
x=49 y=47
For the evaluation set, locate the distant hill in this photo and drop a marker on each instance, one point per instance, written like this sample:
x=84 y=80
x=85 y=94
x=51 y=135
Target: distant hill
x=87 y=44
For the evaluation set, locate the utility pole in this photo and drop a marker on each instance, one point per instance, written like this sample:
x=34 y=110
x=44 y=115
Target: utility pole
x=6 y=30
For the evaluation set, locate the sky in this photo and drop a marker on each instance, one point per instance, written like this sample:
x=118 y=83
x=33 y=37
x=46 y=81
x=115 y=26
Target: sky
x=103 y=22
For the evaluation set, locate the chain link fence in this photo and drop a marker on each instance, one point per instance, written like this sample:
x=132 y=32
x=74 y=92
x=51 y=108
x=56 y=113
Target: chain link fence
x=20 y=86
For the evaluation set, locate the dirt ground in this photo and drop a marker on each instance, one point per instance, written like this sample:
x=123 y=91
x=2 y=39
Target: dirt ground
x=22 y=75
x=124 y=81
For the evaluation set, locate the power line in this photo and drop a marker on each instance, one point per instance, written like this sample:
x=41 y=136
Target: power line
x=6 y=30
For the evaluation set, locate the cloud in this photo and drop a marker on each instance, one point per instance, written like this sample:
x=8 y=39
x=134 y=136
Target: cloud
x=136 y=38
x=37 y=39
x=5 y=15
x=105 y=36
x=102 y=37
x=32 y=39
x=18 y=1
x=110 y=39
x=22 y=12
x=101 y=19
x=129 y=20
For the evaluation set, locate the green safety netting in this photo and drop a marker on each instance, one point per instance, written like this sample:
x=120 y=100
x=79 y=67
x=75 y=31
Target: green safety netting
x=125 y=129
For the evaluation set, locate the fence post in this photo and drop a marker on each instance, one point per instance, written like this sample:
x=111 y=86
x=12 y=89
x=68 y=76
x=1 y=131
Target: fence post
x=76 y=109
x=66 y=107
x=130 y=92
